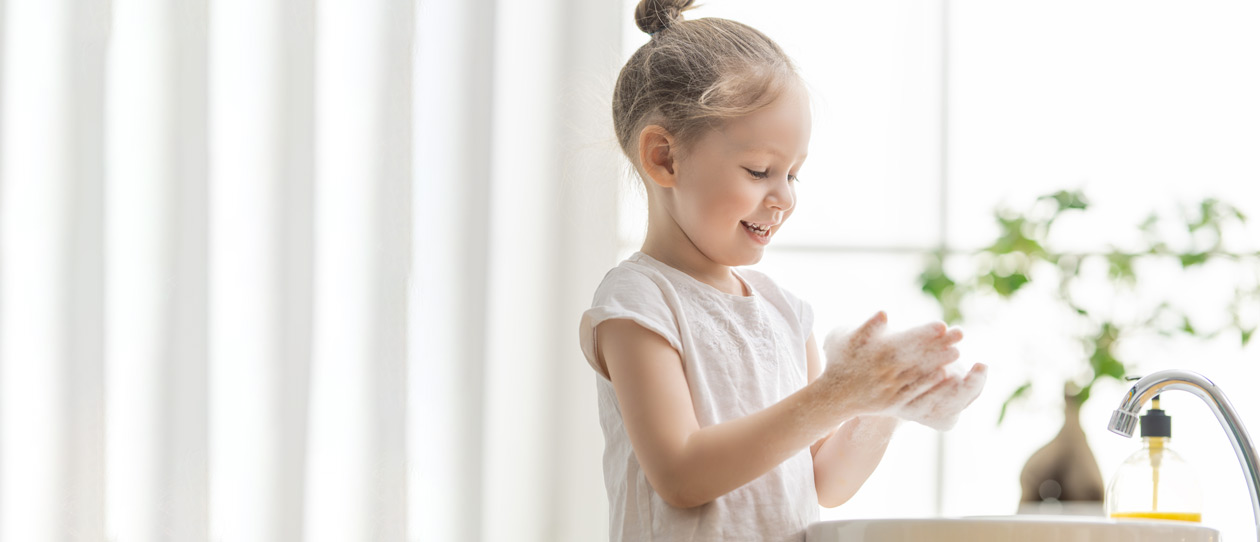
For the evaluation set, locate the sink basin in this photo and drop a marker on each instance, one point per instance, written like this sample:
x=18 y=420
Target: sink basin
x=1007 y=528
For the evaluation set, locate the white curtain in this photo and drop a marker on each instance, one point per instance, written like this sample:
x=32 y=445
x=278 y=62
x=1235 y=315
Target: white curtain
x=518 y=171
x=302 y=269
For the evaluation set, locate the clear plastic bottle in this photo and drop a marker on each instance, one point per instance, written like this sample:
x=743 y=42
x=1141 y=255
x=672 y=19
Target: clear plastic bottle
x=1155 y=482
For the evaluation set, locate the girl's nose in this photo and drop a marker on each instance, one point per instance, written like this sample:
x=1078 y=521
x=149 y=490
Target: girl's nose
x=781 y=197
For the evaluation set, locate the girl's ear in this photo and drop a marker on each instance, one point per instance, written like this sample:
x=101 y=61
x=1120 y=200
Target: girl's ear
x=657 y=154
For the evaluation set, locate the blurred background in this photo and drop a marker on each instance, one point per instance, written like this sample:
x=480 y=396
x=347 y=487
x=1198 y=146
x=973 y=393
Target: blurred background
x=312 y=269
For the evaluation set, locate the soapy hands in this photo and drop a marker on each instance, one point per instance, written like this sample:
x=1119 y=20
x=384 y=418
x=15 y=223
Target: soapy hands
x=901 y=374
x=940 y=406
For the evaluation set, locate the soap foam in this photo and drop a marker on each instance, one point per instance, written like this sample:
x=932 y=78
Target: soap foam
x=938 y=404
x=940 y=407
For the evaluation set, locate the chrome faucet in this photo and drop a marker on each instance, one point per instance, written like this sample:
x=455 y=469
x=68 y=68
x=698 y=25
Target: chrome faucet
x=1125 y=418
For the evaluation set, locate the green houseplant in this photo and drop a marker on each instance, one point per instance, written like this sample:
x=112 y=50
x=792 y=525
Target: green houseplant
x=1023 y=258
x=1021 y=253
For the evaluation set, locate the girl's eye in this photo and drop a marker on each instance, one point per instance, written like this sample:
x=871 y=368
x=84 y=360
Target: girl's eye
x=766 y=173
x=758 y=174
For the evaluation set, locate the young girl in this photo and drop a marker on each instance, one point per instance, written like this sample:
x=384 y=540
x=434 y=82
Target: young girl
x=720 y=420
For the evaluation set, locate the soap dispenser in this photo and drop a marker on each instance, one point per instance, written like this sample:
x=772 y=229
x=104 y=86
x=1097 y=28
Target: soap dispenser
x=1154 y=482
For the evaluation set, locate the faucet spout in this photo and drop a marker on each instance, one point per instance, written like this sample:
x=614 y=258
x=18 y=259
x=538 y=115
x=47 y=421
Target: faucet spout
x=1124 y=420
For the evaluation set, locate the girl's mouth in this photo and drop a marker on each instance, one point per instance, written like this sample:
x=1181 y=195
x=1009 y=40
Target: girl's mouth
x=759 y=233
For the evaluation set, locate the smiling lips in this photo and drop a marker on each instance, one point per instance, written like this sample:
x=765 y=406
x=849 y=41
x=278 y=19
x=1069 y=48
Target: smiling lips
x=760 y=230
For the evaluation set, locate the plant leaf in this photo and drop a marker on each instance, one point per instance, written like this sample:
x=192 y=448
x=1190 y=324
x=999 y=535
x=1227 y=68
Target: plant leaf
x=1207 y=215
x=1007 y=285
x=1105 y=364
x=1019 y=392
x=1121 y=267
x=935 y=282
x=1074 y=199
x=1188 y=260
x=1083 y=395
x=1103 y=360
x=1186 y=326
x=1014 y=238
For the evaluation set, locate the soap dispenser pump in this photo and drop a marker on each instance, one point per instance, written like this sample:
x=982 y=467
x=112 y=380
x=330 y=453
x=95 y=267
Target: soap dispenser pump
x=1154 y=482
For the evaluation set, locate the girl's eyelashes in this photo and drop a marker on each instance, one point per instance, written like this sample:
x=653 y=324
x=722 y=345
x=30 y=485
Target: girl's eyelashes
x=766 y=173
x=758 y=174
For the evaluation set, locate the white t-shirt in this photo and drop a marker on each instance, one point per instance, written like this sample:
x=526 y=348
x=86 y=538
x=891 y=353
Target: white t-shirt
x=740 y=354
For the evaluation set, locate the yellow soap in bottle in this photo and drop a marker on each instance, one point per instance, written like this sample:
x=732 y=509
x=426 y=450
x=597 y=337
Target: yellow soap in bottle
x=1154 y=482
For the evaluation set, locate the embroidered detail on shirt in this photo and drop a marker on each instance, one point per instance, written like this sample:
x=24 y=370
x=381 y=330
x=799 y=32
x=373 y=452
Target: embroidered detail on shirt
x=741 y=336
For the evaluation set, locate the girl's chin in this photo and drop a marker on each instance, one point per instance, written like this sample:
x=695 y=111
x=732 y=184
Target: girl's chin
x=745 y=257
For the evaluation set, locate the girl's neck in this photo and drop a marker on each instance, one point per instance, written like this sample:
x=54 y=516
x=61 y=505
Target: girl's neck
x=669 y=245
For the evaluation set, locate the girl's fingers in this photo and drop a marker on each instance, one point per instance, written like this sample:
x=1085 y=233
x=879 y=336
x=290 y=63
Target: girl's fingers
x=924 y=383
x=975 y=381
x=871 y=327
x=928 y=332
x=977 y=375
x=937 y=328
x=953 y=336
x=942 y=357
x=940 y=387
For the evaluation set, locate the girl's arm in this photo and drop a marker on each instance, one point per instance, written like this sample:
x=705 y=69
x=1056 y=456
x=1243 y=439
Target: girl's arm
x=846 y=457
x=686 y=465
x=690 y=466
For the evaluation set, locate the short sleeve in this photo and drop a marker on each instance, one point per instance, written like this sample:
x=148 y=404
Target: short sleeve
x=628 y=294
x=806 y=315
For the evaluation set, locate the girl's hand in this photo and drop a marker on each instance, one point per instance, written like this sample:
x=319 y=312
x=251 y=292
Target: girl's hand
x=939 y=407
x=870 y=371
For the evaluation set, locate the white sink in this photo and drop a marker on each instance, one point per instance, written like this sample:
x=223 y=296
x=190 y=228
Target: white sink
x=1010 y=528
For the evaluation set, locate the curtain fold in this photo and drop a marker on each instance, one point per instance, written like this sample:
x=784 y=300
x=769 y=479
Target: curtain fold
x=252 y=373
x=183 y=393
x=517 y=172
x=84 y=515
x=170 y=242
x=454 y=114
x=51 y=427
x=358 y=374
x=156 y=272
x=593 y=180
x=295 y=171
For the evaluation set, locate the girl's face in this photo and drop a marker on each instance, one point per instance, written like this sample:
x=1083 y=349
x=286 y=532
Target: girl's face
x=737 y=184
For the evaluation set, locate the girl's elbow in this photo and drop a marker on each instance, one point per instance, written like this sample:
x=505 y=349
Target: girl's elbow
x=832 y=501
x=673 y=489
x=680 y=498
x=833 y=493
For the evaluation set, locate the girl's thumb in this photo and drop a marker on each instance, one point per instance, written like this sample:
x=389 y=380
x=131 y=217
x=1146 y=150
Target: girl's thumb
x=871 y=327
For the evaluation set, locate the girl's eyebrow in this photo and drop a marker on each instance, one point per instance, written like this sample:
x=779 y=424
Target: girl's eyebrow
x=773 y=151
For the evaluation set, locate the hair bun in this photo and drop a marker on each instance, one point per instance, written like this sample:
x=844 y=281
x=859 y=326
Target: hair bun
x=652 y=16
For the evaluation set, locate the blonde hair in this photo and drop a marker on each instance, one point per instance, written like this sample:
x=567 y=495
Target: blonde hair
x=694 y=75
